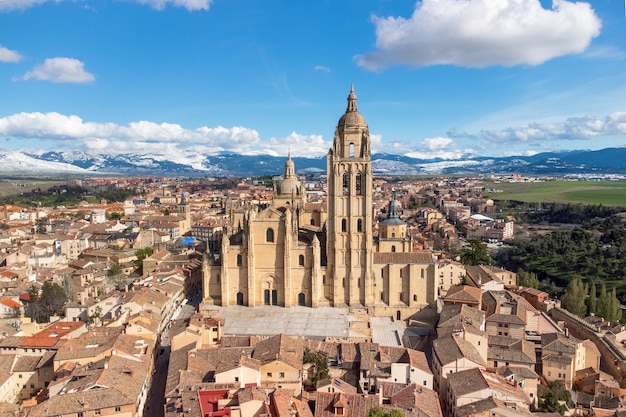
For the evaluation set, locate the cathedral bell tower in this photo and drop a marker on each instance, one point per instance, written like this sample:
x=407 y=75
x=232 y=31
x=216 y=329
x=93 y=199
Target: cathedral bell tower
x=350 y=209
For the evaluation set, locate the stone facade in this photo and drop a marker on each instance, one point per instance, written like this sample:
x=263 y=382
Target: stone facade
x=294 y=253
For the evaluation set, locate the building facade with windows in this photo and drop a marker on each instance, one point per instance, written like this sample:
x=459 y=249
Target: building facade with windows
x=294 y=253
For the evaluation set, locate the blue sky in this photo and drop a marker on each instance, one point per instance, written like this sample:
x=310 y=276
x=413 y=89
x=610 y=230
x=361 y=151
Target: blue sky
x=434 y=78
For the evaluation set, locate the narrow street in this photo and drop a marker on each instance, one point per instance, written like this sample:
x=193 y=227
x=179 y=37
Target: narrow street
x=156 y=397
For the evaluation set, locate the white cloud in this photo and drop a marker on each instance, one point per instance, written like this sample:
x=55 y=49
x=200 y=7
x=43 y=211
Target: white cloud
x=299 y=145
x=442 y=154
x=480 y=33
x=60 y=70
x=190 y=5
x=114 y=138
x=610 y=53
x=437 y=143
x=583 y=127
x=8 y=5
x=438 y=147
x=322 y=68
x=7 y=55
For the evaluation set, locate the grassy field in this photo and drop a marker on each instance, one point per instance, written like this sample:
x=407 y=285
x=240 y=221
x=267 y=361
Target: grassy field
x=17 y=187
x=608 y=193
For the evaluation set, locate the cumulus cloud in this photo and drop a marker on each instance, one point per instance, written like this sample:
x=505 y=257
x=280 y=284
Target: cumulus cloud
x=7 y=55
x=116 y=138
x=190 y=5
x=438 y=147
x=437 y=143
x=60 y=70
x=584 y=127
x=480 y=33
x=298 y=144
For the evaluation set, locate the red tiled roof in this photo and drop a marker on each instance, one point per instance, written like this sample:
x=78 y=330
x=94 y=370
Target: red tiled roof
x=10 y=303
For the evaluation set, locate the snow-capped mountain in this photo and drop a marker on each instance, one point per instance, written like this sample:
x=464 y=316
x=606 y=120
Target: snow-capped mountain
x=19 y=163
x=611 y=160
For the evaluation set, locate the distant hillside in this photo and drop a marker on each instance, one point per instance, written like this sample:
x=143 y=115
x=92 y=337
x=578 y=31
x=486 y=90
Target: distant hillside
x=605 y=161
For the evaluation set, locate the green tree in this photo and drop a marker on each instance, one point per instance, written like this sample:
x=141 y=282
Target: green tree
x=320 y=361
x=50 y=302
x=592 y=301
x=114 y=215
x=476 y=254
x=550 y=396
x=380 y=412
x=115 y=269
x=141 y=255
x=603 y=305
x=527 y=279
x=95 y=318
x=575 y=297
x=614 y=312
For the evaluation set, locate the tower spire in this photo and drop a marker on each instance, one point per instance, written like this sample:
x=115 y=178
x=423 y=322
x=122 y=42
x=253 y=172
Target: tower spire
x=351 y=100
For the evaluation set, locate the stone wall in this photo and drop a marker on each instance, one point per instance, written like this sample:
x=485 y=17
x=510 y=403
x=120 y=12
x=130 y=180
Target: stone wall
x=613 y=360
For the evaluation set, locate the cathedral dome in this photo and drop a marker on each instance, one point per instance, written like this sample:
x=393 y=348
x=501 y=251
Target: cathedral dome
x=352 y=119
x=289 y=186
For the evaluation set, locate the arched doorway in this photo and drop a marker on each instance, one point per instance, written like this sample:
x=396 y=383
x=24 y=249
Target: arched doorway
x=270 y=292
x=301 y=299
x=240 y=298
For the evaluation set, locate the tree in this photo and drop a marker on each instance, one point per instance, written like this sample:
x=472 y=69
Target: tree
x=575 y=297
x=141 y=255
x=604 y=302
x=96 y=317
x=114 y=270
x=592 y=301
x=614 y=312
x=550 y=396
x=380 y=412
x=477 y=254
x=527 y=279
x=114 y=215
x=51 y=302
x=320 y=361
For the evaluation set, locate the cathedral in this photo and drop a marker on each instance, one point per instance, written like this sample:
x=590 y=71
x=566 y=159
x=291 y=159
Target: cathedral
x=299 y=253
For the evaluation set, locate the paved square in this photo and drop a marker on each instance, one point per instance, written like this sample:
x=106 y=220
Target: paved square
x=295 y=321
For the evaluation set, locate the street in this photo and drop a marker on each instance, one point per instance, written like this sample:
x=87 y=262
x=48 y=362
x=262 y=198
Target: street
x=156 y=397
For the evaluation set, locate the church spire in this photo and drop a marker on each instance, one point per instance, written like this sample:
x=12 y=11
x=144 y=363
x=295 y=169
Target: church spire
x=351 y=100
x=393 y=207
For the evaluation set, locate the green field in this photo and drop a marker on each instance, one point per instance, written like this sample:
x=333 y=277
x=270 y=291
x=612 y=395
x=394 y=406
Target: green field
x=608 y=193
x=17 y=187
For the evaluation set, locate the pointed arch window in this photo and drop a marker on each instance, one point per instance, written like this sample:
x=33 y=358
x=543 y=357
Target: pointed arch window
x=269 y=235
x=359 y=225
x=344 y=225
x=358 y=184
x=352 y=150
x=346 y=184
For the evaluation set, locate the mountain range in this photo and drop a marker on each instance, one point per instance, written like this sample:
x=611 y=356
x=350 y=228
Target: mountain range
x=33 y=163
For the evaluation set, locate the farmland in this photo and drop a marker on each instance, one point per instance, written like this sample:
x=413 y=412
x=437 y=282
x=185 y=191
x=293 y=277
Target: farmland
x=608 y=193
